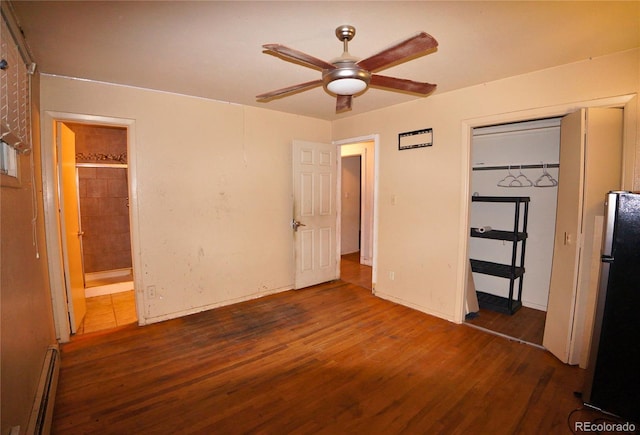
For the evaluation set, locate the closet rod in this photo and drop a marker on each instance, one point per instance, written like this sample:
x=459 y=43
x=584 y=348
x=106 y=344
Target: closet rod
x=514 y=167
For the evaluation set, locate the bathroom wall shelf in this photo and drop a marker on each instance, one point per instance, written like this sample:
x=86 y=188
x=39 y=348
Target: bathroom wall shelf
x=513 y=271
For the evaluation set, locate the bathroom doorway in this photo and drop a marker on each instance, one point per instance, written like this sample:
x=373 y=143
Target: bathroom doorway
x=103 y=207
x=95 y=223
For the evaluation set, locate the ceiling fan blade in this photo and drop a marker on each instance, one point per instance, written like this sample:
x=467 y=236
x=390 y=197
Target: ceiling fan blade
x=288 y=90
x=343 y=103
x=401 y=84
x=298 y=56
x=405 y=49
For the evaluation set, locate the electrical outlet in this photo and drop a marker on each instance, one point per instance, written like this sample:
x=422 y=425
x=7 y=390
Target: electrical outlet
x=392 y=276
x=151 y=291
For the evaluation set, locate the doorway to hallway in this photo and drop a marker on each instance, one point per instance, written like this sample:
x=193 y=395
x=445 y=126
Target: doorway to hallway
x=357 y=196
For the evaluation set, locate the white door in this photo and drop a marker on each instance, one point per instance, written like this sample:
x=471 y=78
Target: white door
x=566 y=249
x=70 y=226
x=314 y=213
x=590 y=166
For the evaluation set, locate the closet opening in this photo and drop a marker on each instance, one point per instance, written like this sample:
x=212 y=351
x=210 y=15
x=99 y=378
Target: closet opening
x=554 y=255
x=514 y=181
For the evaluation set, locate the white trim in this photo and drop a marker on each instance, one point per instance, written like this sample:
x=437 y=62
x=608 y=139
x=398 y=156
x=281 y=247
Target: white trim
x=106 y=274
x=376 y=170
x=51 y=215
x=108 y=289
x=102 y=165
x=366 y=221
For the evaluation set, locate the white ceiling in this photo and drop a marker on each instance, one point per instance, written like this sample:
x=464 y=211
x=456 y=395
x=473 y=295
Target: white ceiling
x=213 y=49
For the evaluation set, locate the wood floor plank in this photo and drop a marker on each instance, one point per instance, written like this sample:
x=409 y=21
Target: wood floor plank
x=327 y=359
x=526 y=324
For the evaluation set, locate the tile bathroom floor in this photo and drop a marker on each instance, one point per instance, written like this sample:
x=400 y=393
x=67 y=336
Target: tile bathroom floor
x=109 y=311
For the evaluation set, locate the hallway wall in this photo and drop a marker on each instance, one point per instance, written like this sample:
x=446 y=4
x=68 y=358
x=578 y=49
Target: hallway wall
x=350 y=205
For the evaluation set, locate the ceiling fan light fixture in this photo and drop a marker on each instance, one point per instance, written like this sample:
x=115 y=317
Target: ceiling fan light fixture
x=348 y=80
x=346 y=86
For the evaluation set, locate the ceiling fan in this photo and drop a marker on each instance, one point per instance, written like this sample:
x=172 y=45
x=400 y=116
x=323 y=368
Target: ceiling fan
x=347 y=76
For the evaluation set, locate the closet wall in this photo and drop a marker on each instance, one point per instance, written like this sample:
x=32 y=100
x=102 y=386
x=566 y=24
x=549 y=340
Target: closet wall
x=524 y=143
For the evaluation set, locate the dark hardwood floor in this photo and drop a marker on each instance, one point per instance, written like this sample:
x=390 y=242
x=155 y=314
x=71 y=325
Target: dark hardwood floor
x=525 y=324
x=329 y=359
x=353 y=272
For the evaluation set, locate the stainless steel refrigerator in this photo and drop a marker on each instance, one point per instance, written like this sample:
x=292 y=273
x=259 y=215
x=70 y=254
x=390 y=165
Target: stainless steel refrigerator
x=613 y=376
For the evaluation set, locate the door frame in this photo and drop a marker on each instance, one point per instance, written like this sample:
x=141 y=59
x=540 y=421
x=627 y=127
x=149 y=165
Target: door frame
x=367 y=191
x=375 y=138
x=50 y=187
x=627 y=102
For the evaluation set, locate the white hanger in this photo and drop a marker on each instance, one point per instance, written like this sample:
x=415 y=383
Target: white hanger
x=510 y=180
x=545 y=180
x=524 y=180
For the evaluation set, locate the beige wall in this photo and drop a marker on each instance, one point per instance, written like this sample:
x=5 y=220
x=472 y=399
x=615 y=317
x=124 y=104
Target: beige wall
x=213 y=192
x=423 y=193
x=26 y=323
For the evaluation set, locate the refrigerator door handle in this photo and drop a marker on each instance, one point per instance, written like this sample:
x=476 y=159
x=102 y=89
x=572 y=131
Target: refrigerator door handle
x=609 y=221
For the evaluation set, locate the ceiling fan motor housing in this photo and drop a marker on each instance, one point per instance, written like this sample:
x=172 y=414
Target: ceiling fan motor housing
x=347 y=78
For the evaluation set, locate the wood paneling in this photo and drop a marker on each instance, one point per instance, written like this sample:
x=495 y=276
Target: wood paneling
x=327 y=359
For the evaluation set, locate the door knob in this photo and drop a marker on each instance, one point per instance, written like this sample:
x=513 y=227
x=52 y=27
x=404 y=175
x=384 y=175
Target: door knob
x=295 y=224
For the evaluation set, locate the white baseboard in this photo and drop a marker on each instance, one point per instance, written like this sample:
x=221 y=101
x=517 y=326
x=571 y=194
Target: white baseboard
x=42 y=411
x=533 y=305
x=108 y=289
x=105 y=274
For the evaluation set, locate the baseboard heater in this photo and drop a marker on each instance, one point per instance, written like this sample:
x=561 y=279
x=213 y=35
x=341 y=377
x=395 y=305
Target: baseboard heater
x=42 y=412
